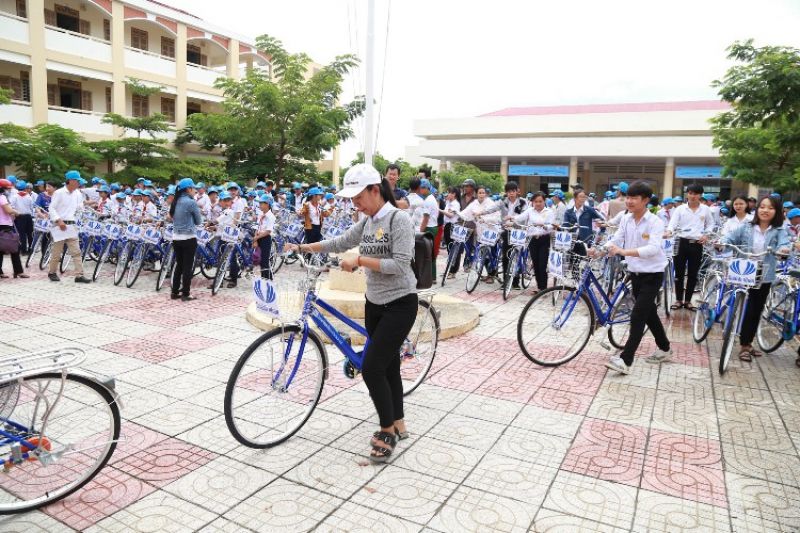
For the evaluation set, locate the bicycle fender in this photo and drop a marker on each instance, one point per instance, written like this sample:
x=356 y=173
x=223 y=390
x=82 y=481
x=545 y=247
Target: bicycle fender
x=105 y=381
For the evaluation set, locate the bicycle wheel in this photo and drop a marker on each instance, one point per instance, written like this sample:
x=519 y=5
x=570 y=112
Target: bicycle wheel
x=618 y=332
x=528 y=273
x=207 y=268
x=65 y=260
x=224 y=264
x=476 y=269
x=74 y=434
x=101 y=260
x=777 y=319
x=274 y=388
x=451 y=257
x=419 y=347
x=47 y=252
x=728 y=332
x=87 y=248
x=275 y=259
x=136 y=264
x=508 y=278
x=123 y=259
x=668 y=290
x=37 y=237
x=706 y=313
x=167 y=265
x=555 y=325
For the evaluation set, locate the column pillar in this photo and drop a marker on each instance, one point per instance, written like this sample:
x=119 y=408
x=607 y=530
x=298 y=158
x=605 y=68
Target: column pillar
x=504 y=168
x=38 y=54
x=669 y=178
x=752 y=190
x=573 y=171
x=180 y=76
x=232 y=70
x=118 y=92
x=586 y=177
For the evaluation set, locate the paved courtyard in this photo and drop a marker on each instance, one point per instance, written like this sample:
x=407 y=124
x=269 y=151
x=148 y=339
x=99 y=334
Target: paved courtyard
x=498 y=443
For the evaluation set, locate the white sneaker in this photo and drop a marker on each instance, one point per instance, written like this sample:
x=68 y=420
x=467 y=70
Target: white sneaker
x=617 y=364
x=660 y=356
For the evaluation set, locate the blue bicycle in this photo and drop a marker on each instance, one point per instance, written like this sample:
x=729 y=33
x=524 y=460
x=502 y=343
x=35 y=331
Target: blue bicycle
x=277 y=382
x=487 y=255
x=462 y=242
x=780 y=321
x=556 y=324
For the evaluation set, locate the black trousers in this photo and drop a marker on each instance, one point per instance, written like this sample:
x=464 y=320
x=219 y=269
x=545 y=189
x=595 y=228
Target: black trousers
x=24 y=224
x=539 y=248
x=387 y=326
x=645 y=312
x=16 y=262
x=184 y=264
x=757 y=299
x=265 y=245
x=691 y=254
x=314 y=234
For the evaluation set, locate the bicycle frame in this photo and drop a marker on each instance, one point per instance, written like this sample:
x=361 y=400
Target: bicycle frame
x=589 y=281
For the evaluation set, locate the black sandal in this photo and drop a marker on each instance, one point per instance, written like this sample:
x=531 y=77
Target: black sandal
x=676 y=306
x=690 y=307
x=746 y=355
x=380 y=454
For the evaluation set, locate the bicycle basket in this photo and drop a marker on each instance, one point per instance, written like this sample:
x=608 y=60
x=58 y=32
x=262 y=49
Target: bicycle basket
x=743 y=272
x=566 y=266
x=281 y=300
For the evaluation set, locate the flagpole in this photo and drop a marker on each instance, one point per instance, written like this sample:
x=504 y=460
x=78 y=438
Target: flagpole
x=369 y=141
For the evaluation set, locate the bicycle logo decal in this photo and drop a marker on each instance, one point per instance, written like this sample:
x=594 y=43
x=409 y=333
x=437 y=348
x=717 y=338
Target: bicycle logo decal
x=230 y=234
x=489 y=237
x=152 y=235
x=563 y=240
x=266 y=296
x=555 y=264
x=517 y=237
x=203 y=236
x=742 y=272
x=459 y=233
x=668 y=244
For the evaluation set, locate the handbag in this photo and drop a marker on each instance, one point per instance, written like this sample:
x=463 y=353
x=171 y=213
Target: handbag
x=257 y=256
x=9 y=241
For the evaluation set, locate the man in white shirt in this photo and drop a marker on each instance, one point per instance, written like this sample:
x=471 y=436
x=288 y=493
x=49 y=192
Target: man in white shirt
x=65 y=208
x=430 y=216
x=559 y=207
x=640 y=240
x=415 y=202
x=690 y=222
x=202 y=198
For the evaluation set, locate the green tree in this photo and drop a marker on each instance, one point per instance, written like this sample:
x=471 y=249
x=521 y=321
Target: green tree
x=277 y=128
x=45 y=151
x=380 y=163
x=759 y=138
x=151 y=124
x=462 y=171
x=5 y=96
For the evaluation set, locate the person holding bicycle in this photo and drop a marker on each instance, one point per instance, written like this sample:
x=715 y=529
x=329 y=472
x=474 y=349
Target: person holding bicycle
x=764 y=232
x=385 y=239
x=639 y=240
x=539 y=220
x=263 y=237
x=510 y=206
x=186 y=217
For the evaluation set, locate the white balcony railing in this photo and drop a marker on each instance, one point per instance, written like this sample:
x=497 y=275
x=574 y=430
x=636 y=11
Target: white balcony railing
x=168 y=135
x=14 y=28
x=79 y=120
x=202 y=75
x=18 y=112
x=77 y=44
x=149 y=62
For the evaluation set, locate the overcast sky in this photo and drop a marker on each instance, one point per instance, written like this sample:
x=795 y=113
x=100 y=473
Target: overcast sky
x=461 y=58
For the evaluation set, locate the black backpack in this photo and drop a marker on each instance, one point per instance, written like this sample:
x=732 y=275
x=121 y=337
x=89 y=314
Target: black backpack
x=422 y=259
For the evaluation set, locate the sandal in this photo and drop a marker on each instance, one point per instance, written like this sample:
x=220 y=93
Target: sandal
x=382 y=452
x=676 y=306
x=401 y=435
x=755 y=352
x=746 y=355
x=690 y=307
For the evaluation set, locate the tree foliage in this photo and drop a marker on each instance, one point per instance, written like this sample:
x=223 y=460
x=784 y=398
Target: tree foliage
x=151 y=124
x=5 y=96
x=45 y=151
x=759 y=138
x=277 y=127
x=380 y=163
x=461 y=171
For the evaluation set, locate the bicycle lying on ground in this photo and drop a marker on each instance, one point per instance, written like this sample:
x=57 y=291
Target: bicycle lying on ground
x=58 y=428
x=277 y=382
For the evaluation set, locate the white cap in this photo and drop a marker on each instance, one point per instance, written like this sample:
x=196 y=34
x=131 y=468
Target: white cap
x=357 y=178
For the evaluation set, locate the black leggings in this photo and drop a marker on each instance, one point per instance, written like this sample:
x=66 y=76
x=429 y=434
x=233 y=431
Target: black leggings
x=645 y=312
x=24 y=224
x=265 y=245
x=16 y=261
x=184 y=264
x=539 y=249
x=387 y=326
x=757 y=299
x=691 y=253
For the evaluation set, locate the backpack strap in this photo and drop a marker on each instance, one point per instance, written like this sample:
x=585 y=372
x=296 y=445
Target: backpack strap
x=391 y=225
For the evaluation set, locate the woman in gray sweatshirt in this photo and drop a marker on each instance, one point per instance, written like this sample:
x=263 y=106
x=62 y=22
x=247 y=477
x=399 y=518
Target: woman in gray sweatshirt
x=385 y=240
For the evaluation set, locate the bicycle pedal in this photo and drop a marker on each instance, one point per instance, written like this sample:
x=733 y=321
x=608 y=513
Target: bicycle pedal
x=350 y=371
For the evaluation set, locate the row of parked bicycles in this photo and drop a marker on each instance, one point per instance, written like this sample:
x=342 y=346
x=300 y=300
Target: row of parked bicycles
x=127 y=248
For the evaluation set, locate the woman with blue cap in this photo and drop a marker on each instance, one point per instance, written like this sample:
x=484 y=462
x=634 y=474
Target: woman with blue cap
x=263 y=237
x=185 y=218
x=313 y=215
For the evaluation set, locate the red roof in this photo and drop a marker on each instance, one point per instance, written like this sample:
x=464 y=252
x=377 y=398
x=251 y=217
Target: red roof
x=700 y=105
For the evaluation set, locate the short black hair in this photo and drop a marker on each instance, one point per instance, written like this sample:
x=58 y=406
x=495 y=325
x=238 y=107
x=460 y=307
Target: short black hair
x=538 y=194
x=425 y=170
x=777 y=220
x=696 y=188
x=413 y=185
x=392 y=167
x=512 y=186
x=640 y=188
x=270 y=183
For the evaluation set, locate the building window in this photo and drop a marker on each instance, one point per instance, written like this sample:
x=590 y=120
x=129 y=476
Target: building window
x=68 y=18
x=195 y=56
x=70 y=94
x=12 y=84
x=192 y=108
x=167 y=47
x=106 y=29
x=139 y=39
x=108 y=99
x=22 y=10
x=25 y=79
x=168 y=108
x=141 y=105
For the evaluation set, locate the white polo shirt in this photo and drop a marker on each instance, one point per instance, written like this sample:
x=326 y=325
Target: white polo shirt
x=689 y=224
x=646 y=237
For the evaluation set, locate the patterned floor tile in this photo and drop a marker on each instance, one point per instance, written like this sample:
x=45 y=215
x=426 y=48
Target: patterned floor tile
x=146 y=350
x=607 y=450
x=415 y=497
x=155 y=513
x=531 y=447
x=557 y=400
x=470 y=432
x=436 y=397
x=223 y=525
x=763 y=430
x=665 y=514
x=278 y=459
x=447 y=461
x=177 y=417
x=624 y=403
x=548 y=521
x=512 y=478
x=541 y=420
x=757 y=504
x=685 y=480
x=490 y=409
x=357 y=519
x=32 y=522
x=594 y=499
x=475 y=510
x=333 y=471
x=761 y=464
x=164 y=462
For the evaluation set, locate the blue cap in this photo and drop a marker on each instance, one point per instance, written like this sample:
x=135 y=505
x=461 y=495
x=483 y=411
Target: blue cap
x=786 y=205
x=140 y=180
x=115 y=187
x=622 y=187
x=128 y=190
x=95 y=180
x=548 y=202
x=251 y=194
x=793 y=213
x=724 y=211
x=214 y=190
x=425 y=183
x=148 y=183
x=775 y=195
x=332 y=188
x=667 y=201
x=329 y=195
x=186 y=183
x=39 y=183
x=149 y=194
x=21 y=185
x=296 y=185
x=137 y=192
x=171 y=190
x=13 y=179
x=201 y=185
x=678 y=199
x=261 y=185
x=529 y=195
x=82 y=182
x=710 y=197
x=232 y=185
x=559 y=193
x=120 y=196
x=105 y=188
x=225 y=195
x=608 y=194
x=70 y=175
x=313 y=191
x=266 y=198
